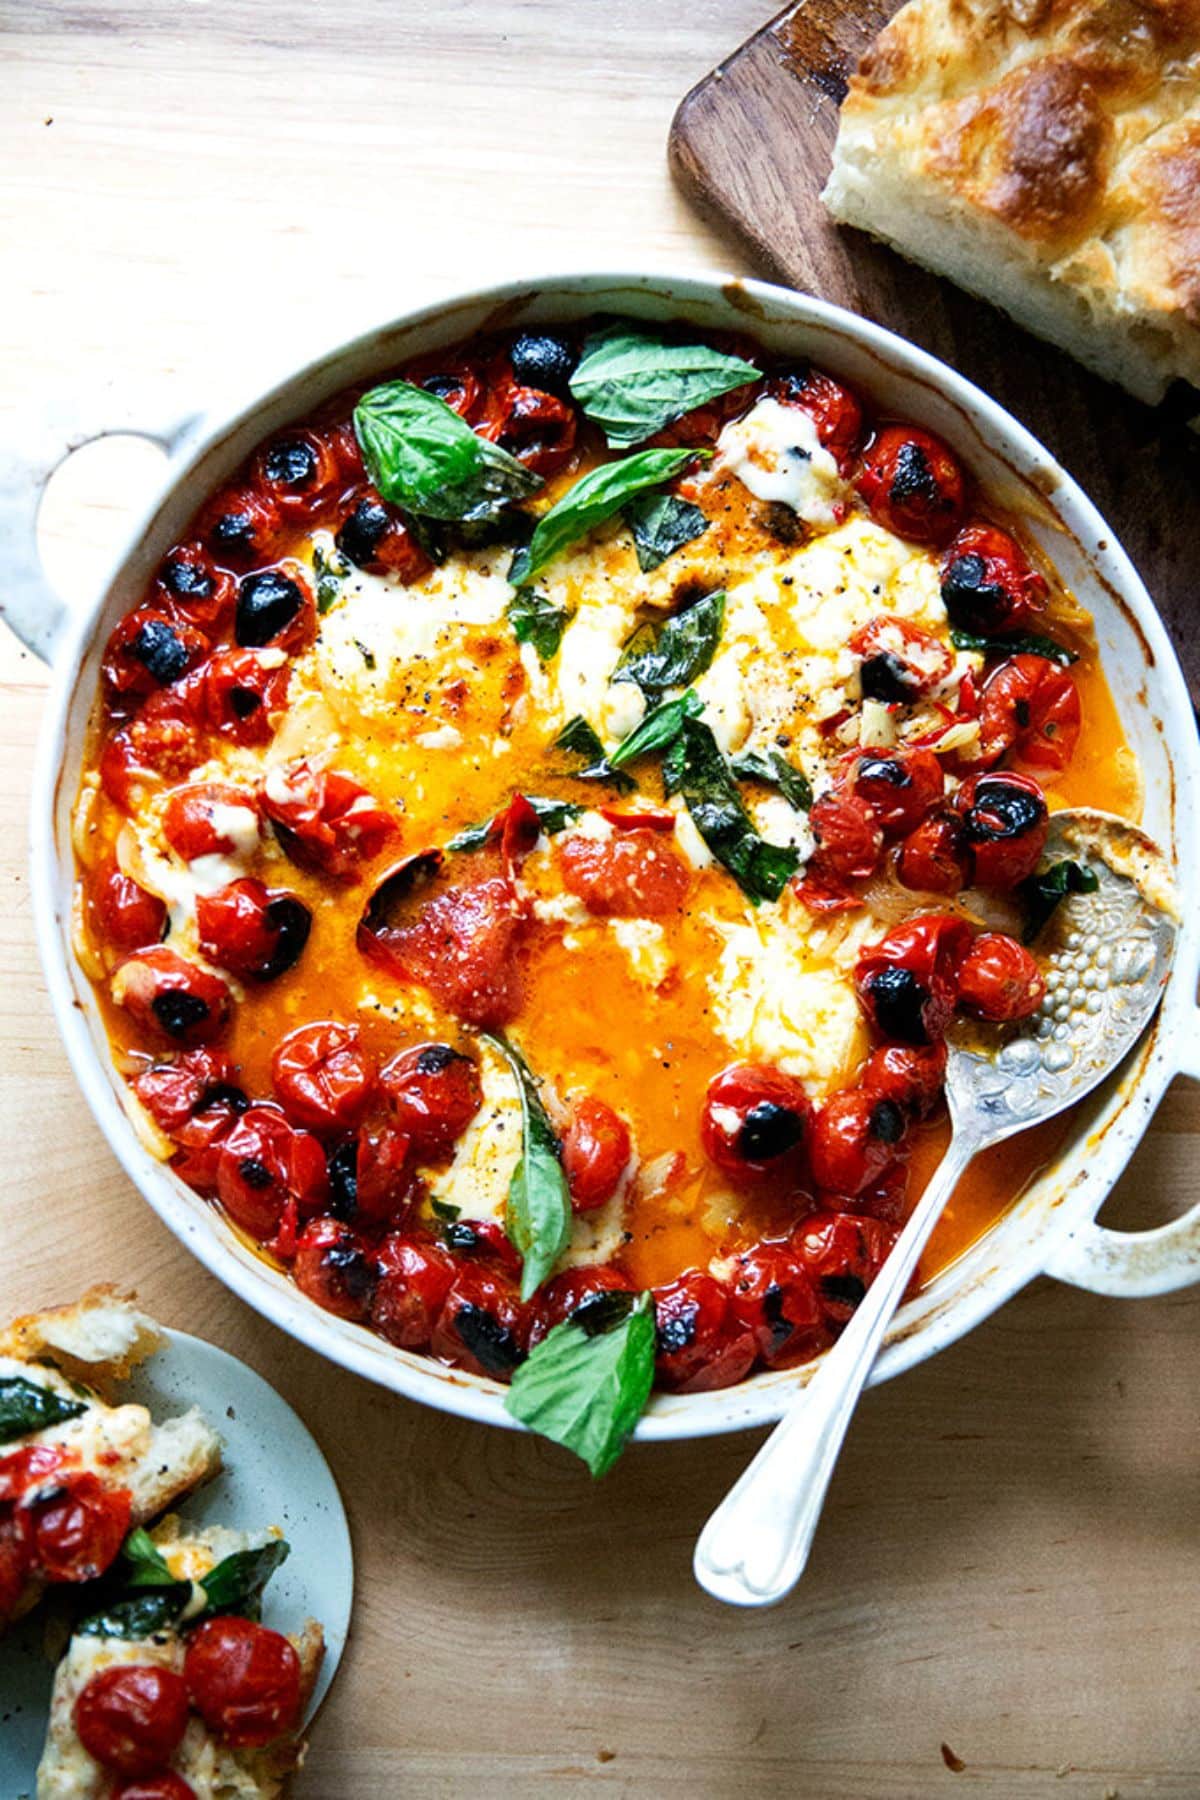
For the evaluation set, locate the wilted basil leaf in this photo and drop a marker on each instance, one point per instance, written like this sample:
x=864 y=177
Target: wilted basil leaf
x=537 y=621
x=552 y=816
x=147 y=1565
x=538 y=1215
x=775 y=771
x=236 y=1584
x=586 y=1384
x=26 y=1407
x=424 y=458
x=662 y=524
x=667 y=655
x=631 y=383
x=1041 y=894
x=695 y=768
x=1015 y=643
x=658 y=729
x=594 y=498
x=143 y=1613
x=580 y=739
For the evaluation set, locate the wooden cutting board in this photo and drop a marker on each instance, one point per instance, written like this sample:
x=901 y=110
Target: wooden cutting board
x=751 y=146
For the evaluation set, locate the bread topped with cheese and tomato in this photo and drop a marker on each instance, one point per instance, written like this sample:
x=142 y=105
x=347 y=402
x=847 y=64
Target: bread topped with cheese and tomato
x=79 y=1468
x=1044 y=154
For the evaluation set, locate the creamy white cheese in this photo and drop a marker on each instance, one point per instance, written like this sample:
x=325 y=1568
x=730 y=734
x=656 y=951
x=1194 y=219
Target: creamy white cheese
x=477 y=1180
x=776 y=453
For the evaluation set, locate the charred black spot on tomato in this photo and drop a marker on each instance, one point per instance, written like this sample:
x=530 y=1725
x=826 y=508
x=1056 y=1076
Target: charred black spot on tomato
x=1022 y=714
x=793 y=384
x=233 y=534
x=899 y=1000
x=254 y=1173
x=292 y=920
x=186 y=578
x=678 y=1331
x=223 y=1093
x=342 y=1163
x=243 y=702
x=291 y=463
x=887 y=769
x=541 y=360
x=160 y=650
x=267 y=603
x=1001 y=809
x=847 y=1290
x=386 y=908
x=885 y=677
x=913 y=478
x=600 y=1312
x=491 y=1344
x=361 y=533
x=769 y=1130
x=178 y=1012
x=887 y=1122
x=972 y=602
x=435 y=1059
x=353 y=1273
x=462 y=1237
x=781 y=1327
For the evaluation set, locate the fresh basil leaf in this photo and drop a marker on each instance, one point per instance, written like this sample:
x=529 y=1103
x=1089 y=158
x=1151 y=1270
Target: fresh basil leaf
x=671 y=653
x=586 y=1384
x=537 y=621
x=1015 y=643
x=140 y=1615
x=147 y=1565
x=330 y=571
x=662 y=524
x=236 y=1584
x=1041 y=894
x=594 y=498
x=538 y=1215
x=424 y=458
x=658 y=729
x=442 y=1209
x=26 y=1407
x=695 y=768
x=774 y=770
x=552 y=816
x=631 y=383
x=580 y=739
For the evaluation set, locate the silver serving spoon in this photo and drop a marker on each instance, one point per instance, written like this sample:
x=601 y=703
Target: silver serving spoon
x=1109 y=954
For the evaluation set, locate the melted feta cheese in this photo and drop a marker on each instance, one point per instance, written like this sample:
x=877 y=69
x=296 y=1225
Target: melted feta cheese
x=644 y=944
x=590 y=650
x=776 y=453
x=477 y=1181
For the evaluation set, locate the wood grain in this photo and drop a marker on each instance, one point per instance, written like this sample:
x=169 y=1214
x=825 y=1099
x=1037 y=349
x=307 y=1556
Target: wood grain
x=1009 y=1559
x=751 y=145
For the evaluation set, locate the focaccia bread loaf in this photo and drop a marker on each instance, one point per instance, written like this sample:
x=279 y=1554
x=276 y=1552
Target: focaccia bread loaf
x=1044 y=154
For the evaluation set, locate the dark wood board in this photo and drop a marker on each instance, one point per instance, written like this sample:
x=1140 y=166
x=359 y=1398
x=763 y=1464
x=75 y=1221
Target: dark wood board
x=751 y=146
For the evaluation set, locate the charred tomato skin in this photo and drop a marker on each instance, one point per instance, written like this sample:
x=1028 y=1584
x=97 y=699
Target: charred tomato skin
x=772 y=1295
x=755 y=1122
x=244 y=1681
x=596 y=1148
x=987 y=583
x=1005 y=823
x=482 y=1325
x=843 y=1252
x=856 y=1135
x=415 y=1276
x=701 y=1343
x=913 y=484
x=434 y=1092
x=579 y=1292
x=334 y=1267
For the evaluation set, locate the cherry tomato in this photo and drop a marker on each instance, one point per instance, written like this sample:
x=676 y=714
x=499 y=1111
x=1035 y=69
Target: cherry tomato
x=251 y=930
x=241 y=694
x=913 y=484
x=275 y=609
x=454 y=381
x=167 y=1786
x=596 y=1148
x=843 y=1253
x=933 y=858
x=323 y=1076
x=1005 y=823
x=201 y=1137
x=630 y=876
x=172 y=1091
x=300 y=472
x=161 y=744
x=31 y=1467
x=189 y=584
x=374 y=536
x=576 y=1293
x=911 y=1077
x=76 y=1533
x=854 y=1137
x=899 y=786
x=482 y=1325
x=324 y=820
x=131 y=1717
x=382 y=1169
x=148 y=650
x=987 y=583
x=907 y=981
x=544 y=359
x=201 y=820
x=244 y=1681
x=170 y=997
x=264 y=1162
x=434 y=1094
x=1031 y=707
x=849 y=839
x=833 y=409
x=754 y=1123
x=483 y=1240
x=535 y=427
x=14 y=1566
x=702 y=1344
x=900 y=661
x=124 y=914
x=772 y=1295
x=998 y=979
x=644 y=818
x=334 y=1268
x=414 y=1280
x=241 y=527
x=461 y=944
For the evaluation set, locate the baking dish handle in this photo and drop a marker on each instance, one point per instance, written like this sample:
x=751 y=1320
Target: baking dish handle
x=28 y=603
x=1129 y=1264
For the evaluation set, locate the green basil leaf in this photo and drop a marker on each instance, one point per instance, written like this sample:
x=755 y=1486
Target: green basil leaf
x=670 y=654
x=580 y=739
x=147 y=1565
x=140 y=1615
x=775 y=771
x=1015 y=643
x=442 y=1209
x=26 y=1407
x=424 y=458
x=236 y=1584
x=537 y=621
x=631 y=383
x=695 y=768
x=586 y=1384
x=662 y=524
x=552 y=815
x=658 y=729
x=538 y=1215
x=1041 y=894
x=594 y=498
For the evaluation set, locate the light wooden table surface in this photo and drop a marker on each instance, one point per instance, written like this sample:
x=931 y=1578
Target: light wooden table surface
x=192 y=191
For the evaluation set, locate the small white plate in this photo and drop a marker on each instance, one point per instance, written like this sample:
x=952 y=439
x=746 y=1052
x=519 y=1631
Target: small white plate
x=274 y=1474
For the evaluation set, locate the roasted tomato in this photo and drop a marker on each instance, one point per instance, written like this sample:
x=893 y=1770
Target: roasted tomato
x=121 y=912
x=265 y=1164
x=1031 y=707
x=987 y=583
x=461 y=943
x=14 y=1565
x=596 y=1148
x=150 y=650
x=627 y=876
x=933 y=858
x=913 y=484
x=189 y=584
x=900 y=661
x=911 y=1077
x=131 y=1717
x=74 y=1534
x=32 y=1466
x=252 y=930
x=581 y=1294
x=172 y=1091
x=754 y=1123
x=482 y=1325
x=907 y=982
x=483 y=1241
x=241 y=527
x=241 y=693
x=161 y=744
x=434 y=1094
x=544 y=359
x=322 y=1076
x=334 y=1268
x=453 y=379
x=301 y=473
x=832 y=408
x=243 y=1680
x=414 y=1278
x=772 y=1295
x=899 y=786
x=275 y=608
x=171 y=998
x=201 y=1136
x=374 y=537
x=324 y=820
x=998 y=979
x=843 y=1253
x=165 y=1786
x=1005 y=823
x=537 y=428
x=373 y=1172
x=849 y=839
x=854 y=1137
x=702 y=1343
x=210 y=819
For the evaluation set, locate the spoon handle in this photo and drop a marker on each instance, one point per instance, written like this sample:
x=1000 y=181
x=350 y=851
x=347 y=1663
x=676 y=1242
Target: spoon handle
x=754 y=1547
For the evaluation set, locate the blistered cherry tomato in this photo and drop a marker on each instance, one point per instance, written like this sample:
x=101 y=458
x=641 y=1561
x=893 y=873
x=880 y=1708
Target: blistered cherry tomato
x=1005 y=823
x=899 y=786
x=170 y=997
x=483 y=1240
x=242 y=693
x=243 y=1680
x=910 y=1076
x=628 y=876
x=987 y=583
x=414 y=1279
x=325 y=820
x=913 y=484
x=772 y=1294
x=334 y=1268
x=131 y=1716
x=374 y=536
x=900 y=661
x=702 y=1344
x=251 y=930
x=172 y=1091
x=76 y=1533
x=124 y=914
x=454 y=380
x=201 y=1136
x=843 y=1253
x=461 y=944
x=577 y=1293
x=754 y=1122
x=832 y=408
x=14 y=1566
x=998 y=979
x=300 y=471
x=167 y=1786
x=381 y=1167
x=537 y=428
x=149 y=650
x=210 y=819
x=241 y=527
x=32 y=1466
x=849 y=839
x=264 y=1163
x=854 y=1137
x=275 y=609
x=161 y=744
x=190 y=584
x=434 y=1093
x=1031 y=706
x=323 y=1076
x=596 y=1148
x=933 y=858
x=482 y=1325
x=907 y=981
